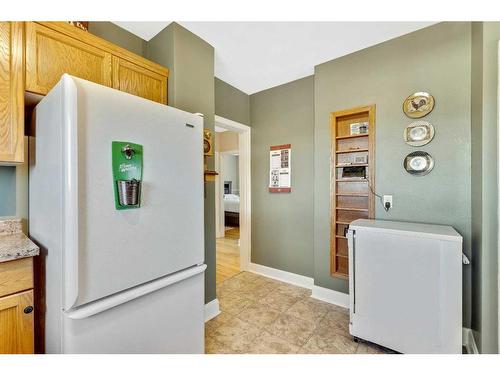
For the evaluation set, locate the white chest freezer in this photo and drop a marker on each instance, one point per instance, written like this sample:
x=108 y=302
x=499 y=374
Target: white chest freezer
x=405 y=285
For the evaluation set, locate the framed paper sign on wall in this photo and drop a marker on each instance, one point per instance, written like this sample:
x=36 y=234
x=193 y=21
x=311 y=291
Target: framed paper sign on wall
x=280 y=169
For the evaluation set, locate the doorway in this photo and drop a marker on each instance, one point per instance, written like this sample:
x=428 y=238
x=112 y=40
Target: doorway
x=232 y=198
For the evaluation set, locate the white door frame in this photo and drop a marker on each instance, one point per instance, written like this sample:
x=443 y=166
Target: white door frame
x=245 y=187
x=219 y=189
x=498 y=192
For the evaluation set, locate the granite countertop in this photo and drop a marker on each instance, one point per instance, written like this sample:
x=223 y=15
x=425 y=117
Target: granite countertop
x=13 y=242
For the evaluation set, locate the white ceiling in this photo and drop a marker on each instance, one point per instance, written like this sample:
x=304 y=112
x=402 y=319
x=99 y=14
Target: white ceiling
x=254 y=56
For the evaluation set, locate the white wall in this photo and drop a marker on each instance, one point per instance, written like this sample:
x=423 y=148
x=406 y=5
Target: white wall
x=230 y=171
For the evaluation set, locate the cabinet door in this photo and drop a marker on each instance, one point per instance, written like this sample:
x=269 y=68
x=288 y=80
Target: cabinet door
x=16 y=323
x=138 y=80
x=11 y=93
x=50 y=54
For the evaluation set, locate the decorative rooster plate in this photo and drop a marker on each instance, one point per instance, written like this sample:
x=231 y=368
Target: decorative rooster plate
x=418 y=104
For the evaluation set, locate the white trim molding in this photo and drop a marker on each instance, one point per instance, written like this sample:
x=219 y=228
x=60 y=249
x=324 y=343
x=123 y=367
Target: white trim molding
x=219 y=189
x=212 y=309
x=468 y=341
x=331 y=296
x=327 y=295
x=287 y=277
x=244 y=147
x=498 y=192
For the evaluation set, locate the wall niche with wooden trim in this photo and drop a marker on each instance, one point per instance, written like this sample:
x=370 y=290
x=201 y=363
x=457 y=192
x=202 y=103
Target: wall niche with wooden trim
x=352 y=177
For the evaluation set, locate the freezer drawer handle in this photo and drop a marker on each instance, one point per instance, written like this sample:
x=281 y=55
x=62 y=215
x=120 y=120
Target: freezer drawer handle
x=107 y=303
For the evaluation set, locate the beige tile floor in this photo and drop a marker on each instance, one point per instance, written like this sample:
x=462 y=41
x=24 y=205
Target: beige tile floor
x=264 y=316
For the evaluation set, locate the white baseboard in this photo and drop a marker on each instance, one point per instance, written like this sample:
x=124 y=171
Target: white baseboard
x=211 y=309
x=330 y=296
x=287 y=277
x=468 y=341
x=318 y=292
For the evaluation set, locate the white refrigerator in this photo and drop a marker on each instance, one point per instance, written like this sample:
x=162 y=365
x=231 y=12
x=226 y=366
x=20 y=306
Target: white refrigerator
x=405 y=285
x=117 y=280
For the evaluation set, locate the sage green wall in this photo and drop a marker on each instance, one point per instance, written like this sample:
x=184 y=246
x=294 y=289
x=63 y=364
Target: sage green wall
x=435 y=59
x=191 y=88
x=121 y=37
x=282 y=223
x=7 y=191
x=485 y=37
x=231 y=103
x=476 y=175
x=161 y=48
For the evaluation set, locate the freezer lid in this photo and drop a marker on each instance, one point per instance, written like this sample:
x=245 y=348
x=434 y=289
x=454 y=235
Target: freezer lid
x=440 y=232
x=105 y=250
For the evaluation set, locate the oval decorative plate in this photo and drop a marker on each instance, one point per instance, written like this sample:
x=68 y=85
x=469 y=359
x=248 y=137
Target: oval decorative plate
x=418 y=163
x=418 y=104
x=418 y=133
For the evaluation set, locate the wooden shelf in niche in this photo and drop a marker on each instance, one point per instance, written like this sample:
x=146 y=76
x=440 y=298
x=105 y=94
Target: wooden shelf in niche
x=350 y=198
x=352 y=136
x=352 y=202
x=351 y=179
x=351 y=195
x=351 y=165
x=352 y=209
x=343 y=222
x=351 y=151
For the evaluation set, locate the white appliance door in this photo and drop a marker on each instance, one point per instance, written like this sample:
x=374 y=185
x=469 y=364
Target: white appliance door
x=169 y=319
x=109 y=250
x=399 y=291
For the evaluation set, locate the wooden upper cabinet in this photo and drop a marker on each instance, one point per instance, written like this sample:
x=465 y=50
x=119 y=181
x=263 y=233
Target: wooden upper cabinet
x=44 y=51
x=55 y=48
x=138 y=80
x=11 y=93
x=50 y=54
x=16 y=323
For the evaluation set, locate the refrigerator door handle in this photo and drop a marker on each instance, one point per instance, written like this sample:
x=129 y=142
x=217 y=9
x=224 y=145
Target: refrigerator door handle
x=351 y=234
x=70 y=192
x=107 y=303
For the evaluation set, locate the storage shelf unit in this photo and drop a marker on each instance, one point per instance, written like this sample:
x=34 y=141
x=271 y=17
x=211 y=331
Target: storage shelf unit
x=350 y=198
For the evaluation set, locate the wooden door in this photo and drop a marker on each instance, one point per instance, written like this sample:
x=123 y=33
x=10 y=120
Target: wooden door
x=16 y=323
x=50 y=54
x=138 y=80
x=11 y=93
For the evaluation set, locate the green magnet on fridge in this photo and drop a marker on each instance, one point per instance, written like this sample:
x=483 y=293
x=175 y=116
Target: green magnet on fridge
x=127 y=174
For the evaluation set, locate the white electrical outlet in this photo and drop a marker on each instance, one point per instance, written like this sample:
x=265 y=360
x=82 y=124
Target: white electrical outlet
x=387 y=199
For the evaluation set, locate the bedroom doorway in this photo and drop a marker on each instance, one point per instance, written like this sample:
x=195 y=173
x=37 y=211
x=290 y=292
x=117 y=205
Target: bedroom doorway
x=232 y=190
